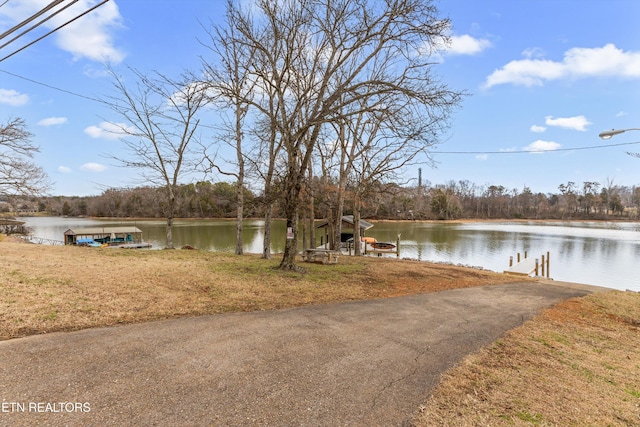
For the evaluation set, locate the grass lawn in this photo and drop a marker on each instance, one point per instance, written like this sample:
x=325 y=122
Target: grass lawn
x=575 y=364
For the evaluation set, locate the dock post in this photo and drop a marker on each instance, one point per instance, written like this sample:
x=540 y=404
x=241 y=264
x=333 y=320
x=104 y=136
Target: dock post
x=519 y=257
x=511 y=261
x=537 y=265
x=543 y=265
x=525 y=254
x=398 y=246
x=547 y=264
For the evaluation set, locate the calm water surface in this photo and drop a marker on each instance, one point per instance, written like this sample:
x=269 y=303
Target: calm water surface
x=604 y=254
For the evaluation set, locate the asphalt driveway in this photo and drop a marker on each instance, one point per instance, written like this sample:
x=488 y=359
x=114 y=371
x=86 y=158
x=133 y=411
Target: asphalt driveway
x=368 y=363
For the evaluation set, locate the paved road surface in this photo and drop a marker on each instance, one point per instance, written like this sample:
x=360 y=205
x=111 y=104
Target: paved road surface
x=369 y=363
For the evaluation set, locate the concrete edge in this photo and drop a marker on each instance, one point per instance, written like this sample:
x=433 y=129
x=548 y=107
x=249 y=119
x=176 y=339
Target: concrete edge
x=577 y=286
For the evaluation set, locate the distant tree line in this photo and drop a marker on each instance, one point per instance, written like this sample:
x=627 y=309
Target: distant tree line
x=453 y=200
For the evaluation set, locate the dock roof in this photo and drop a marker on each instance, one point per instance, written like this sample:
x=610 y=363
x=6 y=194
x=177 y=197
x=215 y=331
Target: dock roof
x=101 y=230
x=349 y=221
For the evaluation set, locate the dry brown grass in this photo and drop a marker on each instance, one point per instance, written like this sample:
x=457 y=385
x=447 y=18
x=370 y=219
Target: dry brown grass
x=55 y=288
x=576 y=364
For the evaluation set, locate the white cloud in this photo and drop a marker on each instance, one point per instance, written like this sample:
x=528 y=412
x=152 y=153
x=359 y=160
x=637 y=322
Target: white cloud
x=88 y=37
x=622 y=114
x=533 y=52
x=482 y=157
x=576 y=123
x=106 y=130
x=13 y=98
x=467 y=45
x=540 y=146
x=93 y=167
x=537 y=129
x=458 y=45
x=577 y=63
x=64 y=169
x=526 y=72
x=52 y=121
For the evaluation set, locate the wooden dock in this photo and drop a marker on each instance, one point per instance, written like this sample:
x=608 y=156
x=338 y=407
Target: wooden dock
x=524 y=268
x=529 y=266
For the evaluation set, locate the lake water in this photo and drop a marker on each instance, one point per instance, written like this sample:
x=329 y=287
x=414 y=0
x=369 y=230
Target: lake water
x=603 y=254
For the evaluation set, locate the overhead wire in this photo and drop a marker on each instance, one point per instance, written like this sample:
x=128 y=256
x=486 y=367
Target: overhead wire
x=37 y=25
x=52 y=31
x=592 y=147
x=31 y=18
x=53 y=87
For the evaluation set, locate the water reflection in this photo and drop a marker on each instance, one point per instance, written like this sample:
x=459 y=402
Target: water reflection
x=597 y=253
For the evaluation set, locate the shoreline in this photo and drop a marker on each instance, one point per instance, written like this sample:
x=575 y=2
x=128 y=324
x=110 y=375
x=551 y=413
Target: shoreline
x=428 y=221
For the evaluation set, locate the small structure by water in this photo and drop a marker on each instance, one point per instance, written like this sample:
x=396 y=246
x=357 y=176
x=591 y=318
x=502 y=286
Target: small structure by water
x=11 y=226
x=348 y=226
x=101 y=236
x=368 y=245
x=529 y=266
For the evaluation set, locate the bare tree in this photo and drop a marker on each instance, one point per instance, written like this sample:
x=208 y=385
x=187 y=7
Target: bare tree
x=159 y=128
x=229 y=84
x=317 y=59
x=383 y=144
x=18 y=174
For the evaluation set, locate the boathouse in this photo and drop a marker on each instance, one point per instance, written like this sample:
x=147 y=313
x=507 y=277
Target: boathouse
x=11 y=226
x=110 y=236
x=347 y=229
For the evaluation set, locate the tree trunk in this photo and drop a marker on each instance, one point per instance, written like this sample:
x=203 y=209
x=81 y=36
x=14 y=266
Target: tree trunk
x=169 y=231
x=312 y=213
x=266 y=241
x=170 y=214
x=293 y=186
x=239 y=218
x=344 y=170
x=305 y=224
x=240 y=183
x=356 y=225
x=291 y=246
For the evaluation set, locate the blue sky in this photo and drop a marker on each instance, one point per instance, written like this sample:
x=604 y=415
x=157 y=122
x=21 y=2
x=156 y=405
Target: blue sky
x=543 y=74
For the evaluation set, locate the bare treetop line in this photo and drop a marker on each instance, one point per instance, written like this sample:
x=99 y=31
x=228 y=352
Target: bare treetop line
x=453 y=200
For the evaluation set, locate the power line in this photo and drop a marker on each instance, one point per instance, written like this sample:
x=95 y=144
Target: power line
x=33 y=26
x=50 y=32
x=54 y=87
x=593 y=147
x=31 y=18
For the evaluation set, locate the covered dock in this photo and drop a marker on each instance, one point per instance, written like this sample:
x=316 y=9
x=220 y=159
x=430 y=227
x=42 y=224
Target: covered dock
x=99 y=236
x=347 y=226
x=12 y=226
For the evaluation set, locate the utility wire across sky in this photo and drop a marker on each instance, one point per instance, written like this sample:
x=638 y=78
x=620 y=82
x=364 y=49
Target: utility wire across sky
x=592 y=147
x=35 y=16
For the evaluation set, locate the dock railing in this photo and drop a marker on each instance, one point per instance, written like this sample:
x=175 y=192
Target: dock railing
x=40 y=240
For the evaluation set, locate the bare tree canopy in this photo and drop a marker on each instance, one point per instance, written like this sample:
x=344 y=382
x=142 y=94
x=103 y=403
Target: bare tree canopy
x=317 y=62
x=18 y=174
x=231 y=90
x=159 y=128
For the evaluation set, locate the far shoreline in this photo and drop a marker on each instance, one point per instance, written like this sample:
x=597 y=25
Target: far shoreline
x=425 y=221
